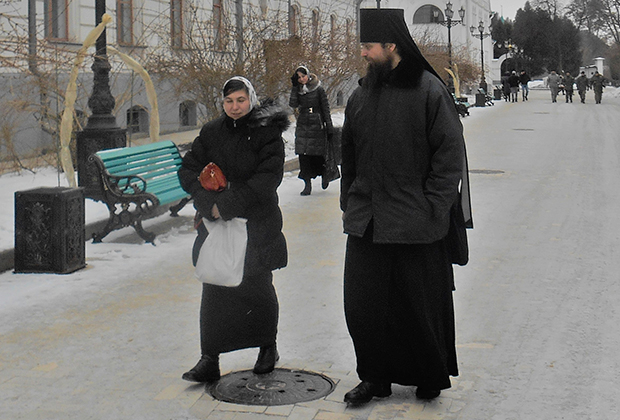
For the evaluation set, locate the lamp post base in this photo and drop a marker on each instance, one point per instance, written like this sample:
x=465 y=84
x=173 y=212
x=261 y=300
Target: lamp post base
x=89 y=141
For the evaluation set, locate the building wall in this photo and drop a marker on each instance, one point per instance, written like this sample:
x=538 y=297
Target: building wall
x=475 y=11
x=151 y=29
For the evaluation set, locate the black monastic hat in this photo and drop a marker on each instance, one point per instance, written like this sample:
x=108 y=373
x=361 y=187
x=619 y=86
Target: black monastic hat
x=388 y=25
x=380 y=25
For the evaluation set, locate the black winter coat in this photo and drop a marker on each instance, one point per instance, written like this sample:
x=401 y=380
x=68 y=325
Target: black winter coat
x=314 y=120
x=402 y=159
x=250 y=152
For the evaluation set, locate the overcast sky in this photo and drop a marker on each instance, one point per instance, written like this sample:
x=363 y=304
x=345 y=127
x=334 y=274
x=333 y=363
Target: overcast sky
x=507 y=8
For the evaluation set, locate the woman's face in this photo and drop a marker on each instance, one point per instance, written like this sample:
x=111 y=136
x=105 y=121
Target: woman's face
x=237 y=104
x=302 y=78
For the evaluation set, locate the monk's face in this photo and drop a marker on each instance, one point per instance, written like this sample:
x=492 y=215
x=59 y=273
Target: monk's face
x=376 y=52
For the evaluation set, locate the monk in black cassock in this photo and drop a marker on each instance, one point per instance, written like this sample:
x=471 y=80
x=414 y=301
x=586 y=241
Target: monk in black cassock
x=403 y=159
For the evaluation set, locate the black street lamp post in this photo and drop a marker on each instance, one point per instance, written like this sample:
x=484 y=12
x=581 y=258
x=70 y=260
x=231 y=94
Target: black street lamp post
x=101 y=131
x=449 y=23
x=480 y=35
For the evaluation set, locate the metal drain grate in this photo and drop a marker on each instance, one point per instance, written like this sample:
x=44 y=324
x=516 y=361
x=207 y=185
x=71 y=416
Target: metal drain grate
x=280 y=387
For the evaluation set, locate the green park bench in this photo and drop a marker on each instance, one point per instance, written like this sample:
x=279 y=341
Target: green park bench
x=462 y=106
x=136 y=181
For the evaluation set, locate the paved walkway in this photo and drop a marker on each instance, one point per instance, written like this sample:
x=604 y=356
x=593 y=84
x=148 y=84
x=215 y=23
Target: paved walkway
x=535 y=313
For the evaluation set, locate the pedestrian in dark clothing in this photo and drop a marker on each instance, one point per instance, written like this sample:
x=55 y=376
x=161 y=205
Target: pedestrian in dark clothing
x=246 y=143
x=513 y=81
x=598 y=83
x=553 y=81
x=506 y=86
x=314 y=127
x=524 y=79
x=582 y=85
x=403 y=157
x=569 y=81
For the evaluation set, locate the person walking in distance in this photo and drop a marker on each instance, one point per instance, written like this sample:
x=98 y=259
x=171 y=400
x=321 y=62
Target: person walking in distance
x=582 y=85
x=598 y=83
x=553 y=81
x=513 y=81
x=403 y=158
x=524 y=79
x=569 y=81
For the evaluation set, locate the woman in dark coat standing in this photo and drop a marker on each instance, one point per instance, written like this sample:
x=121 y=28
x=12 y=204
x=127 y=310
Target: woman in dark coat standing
x=246 y=143
x=314 y=126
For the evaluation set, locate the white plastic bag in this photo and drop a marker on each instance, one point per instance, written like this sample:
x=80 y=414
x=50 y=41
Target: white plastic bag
x=222 y=255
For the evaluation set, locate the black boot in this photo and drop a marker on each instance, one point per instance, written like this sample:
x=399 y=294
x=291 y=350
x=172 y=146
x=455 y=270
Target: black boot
x=308 y=188
x=364 y=392
x=267 y=358
x=324 y=182
x=206 y=370
x=427 y=394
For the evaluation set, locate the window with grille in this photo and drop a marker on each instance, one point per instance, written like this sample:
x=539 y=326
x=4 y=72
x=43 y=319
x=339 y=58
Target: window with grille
x=187 y=114
x=137 y=119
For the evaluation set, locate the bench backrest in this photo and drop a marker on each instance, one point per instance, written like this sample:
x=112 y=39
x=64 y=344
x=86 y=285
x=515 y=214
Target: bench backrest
x=156 y=163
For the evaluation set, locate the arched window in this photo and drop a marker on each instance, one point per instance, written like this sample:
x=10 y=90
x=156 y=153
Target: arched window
x=137 y=119
x=315 y=29
x=315 y=26
x=218 y=25
x=333 y=28
x=176 y=23
x=339 y=98
x=428 y=14
x=187 y=114
x=350 y=38
x=293 y=20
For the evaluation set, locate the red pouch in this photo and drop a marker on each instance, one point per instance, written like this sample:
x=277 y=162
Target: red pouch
x=212 y=178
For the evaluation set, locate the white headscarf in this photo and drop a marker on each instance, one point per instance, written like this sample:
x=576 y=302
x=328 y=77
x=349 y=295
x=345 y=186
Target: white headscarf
x=250 y=88
x=303 y=88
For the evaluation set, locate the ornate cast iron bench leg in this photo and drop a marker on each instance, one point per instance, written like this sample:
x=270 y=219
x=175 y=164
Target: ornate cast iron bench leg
x=147 y=236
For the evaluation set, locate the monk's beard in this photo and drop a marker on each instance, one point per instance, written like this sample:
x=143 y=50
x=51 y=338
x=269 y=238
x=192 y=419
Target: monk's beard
x=376 y=74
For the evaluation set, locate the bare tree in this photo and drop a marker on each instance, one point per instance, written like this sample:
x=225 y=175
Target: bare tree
x=265 y=52
x=37 y=69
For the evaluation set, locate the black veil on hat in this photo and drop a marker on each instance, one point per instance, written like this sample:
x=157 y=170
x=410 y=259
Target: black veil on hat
x=388 y=26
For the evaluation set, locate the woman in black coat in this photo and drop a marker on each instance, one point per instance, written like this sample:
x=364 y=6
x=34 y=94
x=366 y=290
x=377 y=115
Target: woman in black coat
x=314 y=126
x=246 y=143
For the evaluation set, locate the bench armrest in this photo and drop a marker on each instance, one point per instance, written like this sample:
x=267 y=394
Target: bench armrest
x=122 y=185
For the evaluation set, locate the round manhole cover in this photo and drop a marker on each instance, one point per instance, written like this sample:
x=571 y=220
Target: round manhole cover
x=280 y=387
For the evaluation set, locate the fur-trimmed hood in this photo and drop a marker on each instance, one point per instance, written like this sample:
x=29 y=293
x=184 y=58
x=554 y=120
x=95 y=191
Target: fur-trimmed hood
x=269 y=113
x=312 y=85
